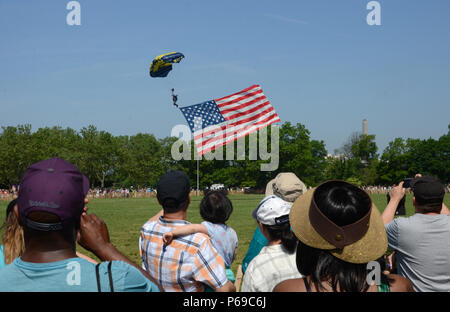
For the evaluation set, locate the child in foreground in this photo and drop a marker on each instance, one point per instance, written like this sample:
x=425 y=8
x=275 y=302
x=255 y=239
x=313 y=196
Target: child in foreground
x=215 y=209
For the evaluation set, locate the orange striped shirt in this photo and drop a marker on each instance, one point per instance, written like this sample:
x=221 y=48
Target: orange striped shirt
x=188 y=264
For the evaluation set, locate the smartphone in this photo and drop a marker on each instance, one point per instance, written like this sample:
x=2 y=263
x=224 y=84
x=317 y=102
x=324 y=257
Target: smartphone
x=407 y=182
x=401 y=209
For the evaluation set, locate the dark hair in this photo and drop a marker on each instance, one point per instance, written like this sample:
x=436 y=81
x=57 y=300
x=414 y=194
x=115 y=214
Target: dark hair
x=427 y=205
x=320 y=264
x=68 y=232
x=343 y=204
x=171 y=205
x=11 y=206
x=427 y=209
x=216 y=207
x=283 y=232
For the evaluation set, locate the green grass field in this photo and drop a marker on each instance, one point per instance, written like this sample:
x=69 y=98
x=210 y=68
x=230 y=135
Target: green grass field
x=125 y=217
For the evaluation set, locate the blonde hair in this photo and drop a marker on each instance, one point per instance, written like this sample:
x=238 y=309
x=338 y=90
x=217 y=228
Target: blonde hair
x=13 y=241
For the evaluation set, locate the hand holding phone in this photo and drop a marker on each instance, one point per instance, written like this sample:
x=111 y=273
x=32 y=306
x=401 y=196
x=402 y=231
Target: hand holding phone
x=407 y=183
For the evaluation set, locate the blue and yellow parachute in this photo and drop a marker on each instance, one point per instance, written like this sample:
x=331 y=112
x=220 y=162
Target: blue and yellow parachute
x=162 y=64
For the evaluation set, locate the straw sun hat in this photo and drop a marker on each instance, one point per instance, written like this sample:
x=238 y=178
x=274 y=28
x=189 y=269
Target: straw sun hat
x=360 y=242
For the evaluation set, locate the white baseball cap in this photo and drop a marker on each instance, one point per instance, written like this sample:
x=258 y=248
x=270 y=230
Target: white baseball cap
x=272 y=210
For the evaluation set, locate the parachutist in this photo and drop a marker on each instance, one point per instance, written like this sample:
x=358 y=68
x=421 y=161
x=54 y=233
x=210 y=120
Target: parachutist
x=174 y=98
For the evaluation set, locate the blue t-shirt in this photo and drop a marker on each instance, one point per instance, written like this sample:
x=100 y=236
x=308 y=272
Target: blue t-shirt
x=224 y=239
x=71 y=275
x=258 y=242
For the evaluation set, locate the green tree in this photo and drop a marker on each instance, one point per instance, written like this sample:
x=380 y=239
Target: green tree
x=98 y=157
x=56 y=142
x=301 y=155
x=358 y=160
x=143 y=155
x=16 y=153
x=394 y=163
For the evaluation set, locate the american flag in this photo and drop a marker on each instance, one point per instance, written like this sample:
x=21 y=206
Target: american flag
x=221 y=121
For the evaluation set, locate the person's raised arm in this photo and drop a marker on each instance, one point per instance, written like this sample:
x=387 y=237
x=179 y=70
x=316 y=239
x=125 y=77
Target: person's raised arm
x=184 y=230
x=396 y=195
x=94 y=236
x=83 y=256
x=156 y=216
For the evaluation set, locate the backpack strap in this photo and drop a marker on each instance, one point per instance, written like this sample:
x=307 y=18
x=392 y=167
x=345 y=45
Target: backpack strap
x=111 y=286
x=308 y=288
x=97 y=275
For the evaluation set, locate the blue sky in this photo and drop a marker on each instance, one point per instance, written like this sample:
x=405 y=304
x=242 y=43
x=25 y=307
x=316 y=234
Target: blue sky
x=318 y=62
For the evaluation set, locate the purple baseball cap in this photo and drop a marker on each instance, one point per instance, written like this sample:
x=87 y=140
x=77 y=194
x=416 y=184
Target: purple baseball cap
x=55 y=186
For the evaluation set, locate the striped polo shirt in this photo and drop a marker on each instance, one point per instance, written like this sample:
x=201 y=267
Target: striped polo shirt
x=188 y=263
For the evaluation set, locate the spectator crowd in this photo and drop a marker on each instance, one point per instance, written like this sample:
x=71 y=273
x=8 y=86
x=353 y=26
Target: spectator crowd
x=331 y=238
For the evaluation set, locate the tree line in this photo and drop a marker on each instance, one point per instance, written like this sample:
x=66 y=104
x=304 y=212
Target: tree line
x=139 y=160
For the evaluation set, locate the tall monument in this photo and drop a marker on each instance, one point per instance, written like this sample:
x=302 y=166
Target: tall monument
x=364 y=127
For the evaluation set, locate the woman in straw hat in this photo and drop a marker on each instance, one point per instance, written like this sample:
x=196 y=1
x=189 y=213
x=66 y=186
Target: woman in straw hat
x=341 y=238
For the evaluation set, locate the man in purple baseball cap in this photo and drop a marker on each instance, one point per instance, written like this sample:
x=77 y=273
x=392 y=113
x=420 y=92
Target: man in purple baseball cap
x=50 y=208
x=53 y=188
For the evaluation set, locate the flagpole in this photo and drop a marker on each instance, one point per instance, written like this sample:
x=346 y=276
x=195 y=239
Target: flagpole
x=197 y=175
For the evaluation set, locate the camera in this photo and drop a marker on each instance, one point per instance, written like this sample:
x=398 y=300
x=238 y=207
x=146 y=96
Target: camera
x=407 y=183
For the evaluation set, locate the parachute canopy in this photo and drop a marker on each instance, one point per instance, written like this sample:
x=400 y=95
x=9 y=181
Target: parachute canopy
x=162 y=64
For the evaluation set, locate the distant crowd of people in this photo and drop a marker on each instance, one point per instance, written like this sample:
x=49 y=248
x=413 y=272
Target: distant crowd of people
x=122 y=192
x=331 y=238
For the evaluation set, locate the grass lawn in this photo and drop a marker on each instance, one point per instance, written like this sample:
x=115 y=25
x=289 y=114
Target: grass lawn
x=125 y=217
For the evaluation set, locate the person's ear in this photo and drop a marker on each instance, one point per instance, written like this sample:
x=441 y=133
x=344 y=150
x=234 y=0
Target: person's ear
x=262 y=229
x=260 y=226
x=188 y=202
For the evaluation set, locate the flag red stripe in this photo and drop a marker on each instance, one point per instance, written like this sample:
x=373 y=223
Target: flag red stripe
x=245 y=90
x=239 y=99
x=202 y=152
x=243 y=121
x=199 y=138
x=249 y=111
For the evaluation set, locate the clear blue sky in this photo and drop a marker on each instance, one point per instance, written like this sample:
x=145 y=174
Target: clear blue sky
x=318 y=62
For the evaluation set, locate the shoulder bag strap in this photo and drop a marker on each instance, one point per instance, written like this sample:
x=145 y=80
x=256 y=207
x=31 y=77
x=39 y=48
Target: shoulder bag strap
x=97 y=275
x=111 y=286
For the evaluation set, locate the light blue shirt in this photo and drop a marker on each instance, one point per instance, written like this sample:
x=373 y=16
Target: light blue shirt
x=71 y=275
x=224 y=239
x=2 y=257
